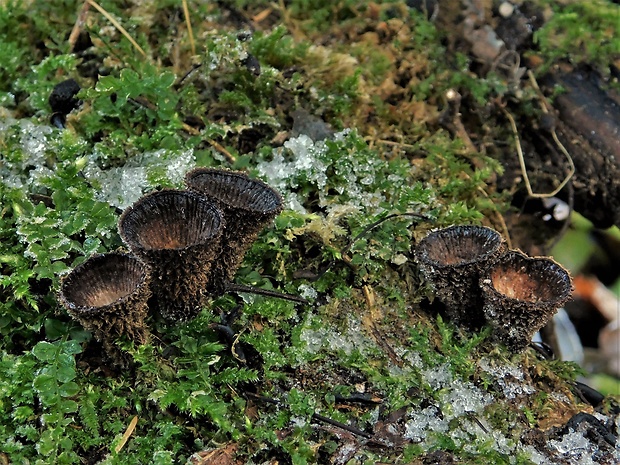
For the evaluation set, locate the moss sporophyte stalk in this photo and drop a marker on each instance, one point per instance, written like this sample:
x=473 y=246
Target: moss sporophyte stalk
x=282 y=232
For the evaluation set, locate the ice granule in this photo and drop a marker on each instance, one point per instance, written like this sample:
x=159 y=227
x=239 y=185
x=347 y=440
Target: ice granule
x=575 y=447
x=414 y=359
x=535 y=456
x=559 y=397
x=423 y=422
x=34 y=142
x=332 y=339
x=302 y=158
x=307 y=292
x=508 y=377
x=34 y=139
x=122 y=186
x=462 y=398
x=281 y=173
x=119 y=187
x=178 y=165
x=438 y=377
x=298 y=422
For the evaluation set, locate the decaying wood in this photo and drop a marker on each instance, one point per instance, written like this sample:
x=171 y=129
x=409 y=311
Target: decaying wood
x=585 y=117
x=589 y=127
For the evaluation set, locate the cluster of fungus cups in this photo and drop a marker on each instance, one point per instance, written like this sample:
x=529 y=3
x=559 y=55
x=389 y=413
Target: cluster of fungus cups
x=481 y=282
x=186 y=246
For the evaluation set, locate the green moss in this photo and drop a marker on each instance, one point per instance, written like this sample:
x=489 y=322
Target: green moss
x=581 y=32
x=365 y=331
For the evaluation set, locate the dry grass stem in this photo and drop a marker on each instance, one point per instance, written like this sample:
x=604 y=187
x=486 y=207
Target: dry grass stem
x=117 y=25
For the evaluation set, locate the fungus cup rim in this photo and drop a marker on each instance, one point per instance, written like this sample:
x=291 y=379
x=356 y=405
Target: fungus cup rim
x=558 y=298
x=69 y=279
x=135 y=245
x=192 y=175
x=423 y=256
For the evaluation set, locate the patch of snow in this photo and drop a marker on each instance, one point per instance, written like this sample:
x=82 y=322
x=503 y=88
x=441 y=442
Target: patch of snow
x=510 y=378
x=122 y=186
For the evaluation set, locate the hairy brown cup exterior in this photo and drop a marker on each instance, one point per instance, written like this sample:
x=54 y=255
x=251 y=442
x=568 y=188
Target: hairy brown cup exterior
x=178 y=234
x=521 y=294
x=452 y=260
x=248 y=205
x=108 y=295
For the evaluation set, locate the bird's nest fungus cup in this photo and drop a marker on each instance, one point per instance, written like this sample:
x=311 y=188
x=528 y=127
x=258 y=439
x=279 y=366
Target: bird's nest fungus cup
x=521 y=294
x=248 y=206
x=178 y=234
x=452 y=260
x=108 y=295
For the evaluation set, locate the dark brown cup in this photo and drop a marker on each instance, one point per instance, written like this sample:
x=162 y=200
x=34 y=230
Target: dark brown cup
x=248 y=206
x=521 y=294
x=108 y=295
x=178 y=234
x=452 y=260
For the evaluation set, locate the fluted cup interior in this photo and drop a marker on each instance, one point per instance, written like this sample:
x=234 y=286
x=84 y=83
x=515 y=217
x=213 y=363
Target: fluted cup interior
x=103 y=280
x=458 y=245
x=533 y=280
x=235 y=190
x=170 y=219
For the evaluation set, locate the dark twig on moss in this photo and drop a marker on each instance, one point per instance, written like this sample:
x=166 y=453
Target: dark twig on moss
x=233 y=287
x=316 y=417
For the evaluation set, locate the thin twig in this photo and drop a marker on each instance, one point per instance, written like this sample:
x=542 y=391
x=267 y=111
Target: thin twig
x=117 y=25
x=315 y=416
x=216 y=145
x=190 y=32
x=233 y=287
x=77 y=27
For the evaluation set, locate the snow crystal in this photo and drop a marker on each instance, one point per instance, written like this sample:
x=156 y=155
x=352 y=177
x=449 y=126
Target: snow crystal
x=307 y=292
x=421 y=423
x=303 y=159
x=438 y=377
x=33 y=144
x=508 y=377
x=122 y=186
x=462 y=398
x=575 y=447
x=455 y=399
x=535 y=456
x=332 y=339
